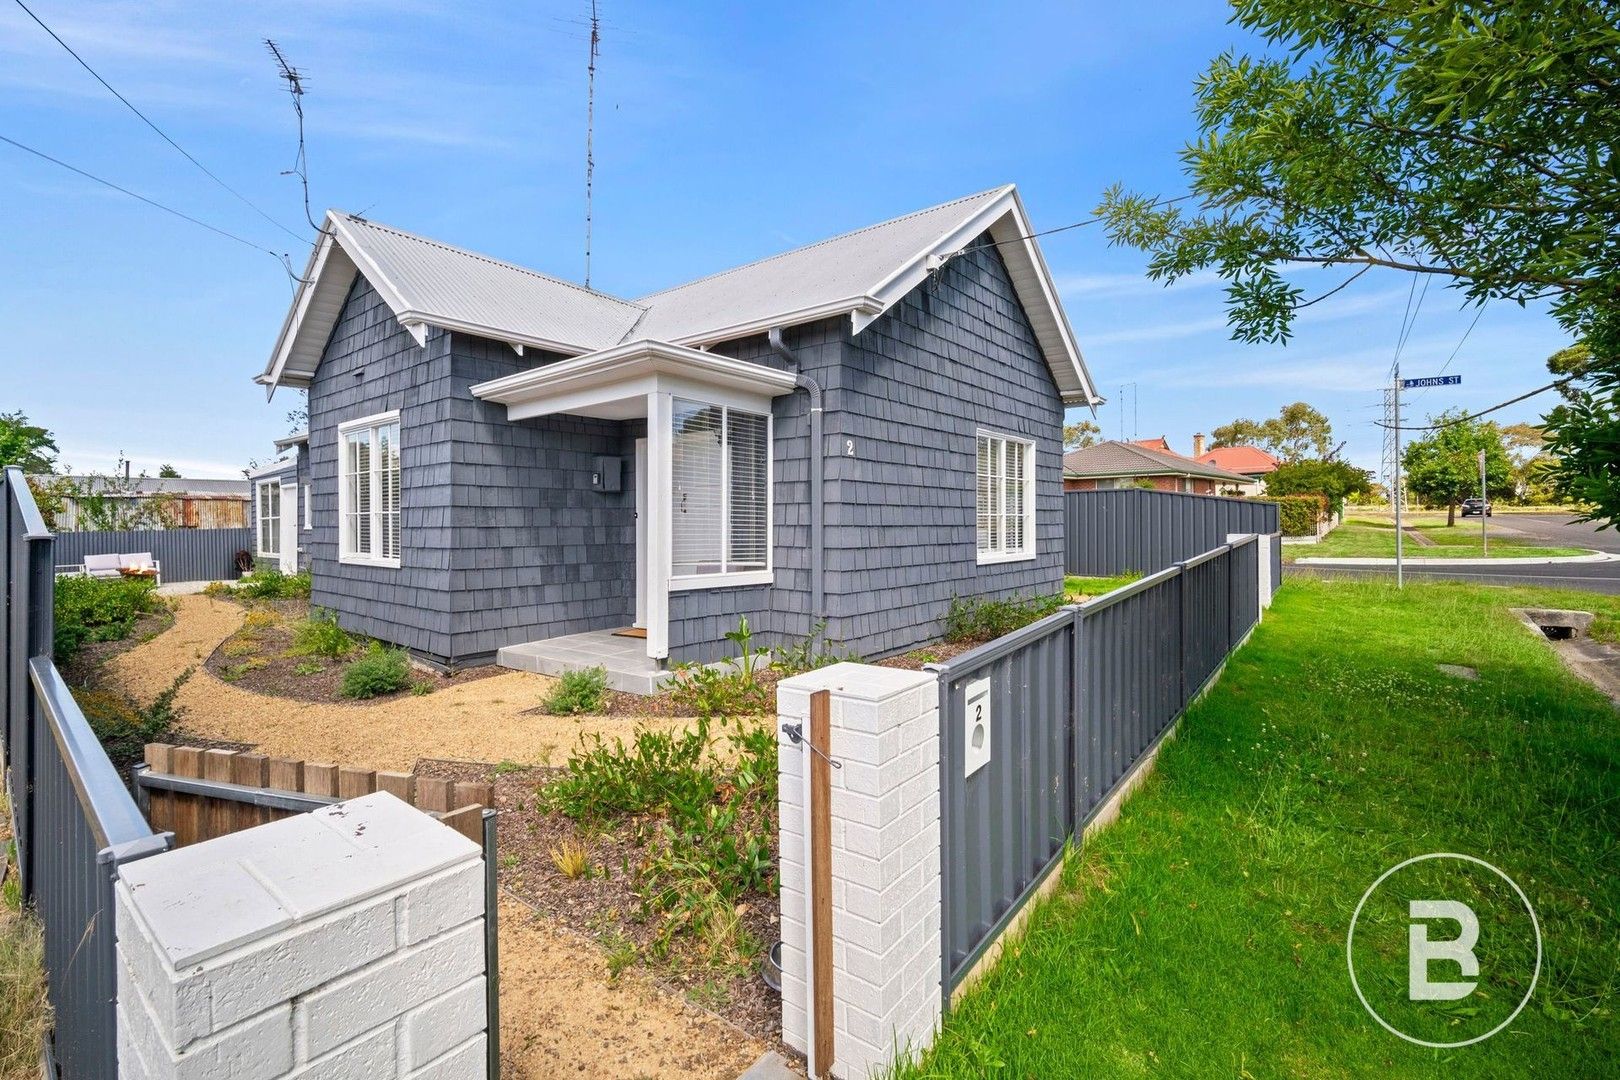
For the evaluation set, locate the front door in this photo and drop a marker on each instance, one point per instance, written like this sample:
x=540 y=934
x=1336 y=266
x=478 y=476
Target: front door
x=641 y=533
x=289 y=528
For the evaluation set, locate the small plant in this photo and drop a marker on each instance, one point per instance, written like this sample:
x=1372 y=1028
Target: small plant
x=237 y=646
x=320 y=635
x=808 y=655
x=724 y=690
x=258 y=619
x=272 y=584
x=571 y=860
x=509 y=861
x=577 y=692
x=506 y=766
x=380 y=670
x=421 y=688
x=972 y=619
x=620 y=950
x=309 y=667
x=216 y=590
x=124 y=726
x=232 y=672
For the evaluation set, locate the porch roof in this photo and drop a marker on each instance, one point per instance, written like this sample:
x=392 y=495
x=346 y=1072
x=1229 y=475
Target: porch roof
x=613 y=383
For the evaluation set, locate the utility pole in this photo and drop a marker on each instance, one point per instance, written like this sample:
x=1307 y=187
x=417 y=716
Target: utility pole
x=1484 y=538
x=1396 y=492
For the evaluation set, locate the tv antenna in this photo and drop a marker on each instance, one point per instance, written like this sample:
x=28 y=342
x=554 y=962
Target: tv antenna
x=590 y=128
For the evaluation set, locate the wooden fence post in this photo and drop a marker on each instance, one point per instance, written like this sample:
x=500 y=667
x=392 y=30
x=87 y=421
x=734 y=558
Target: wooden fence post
x=821 y=877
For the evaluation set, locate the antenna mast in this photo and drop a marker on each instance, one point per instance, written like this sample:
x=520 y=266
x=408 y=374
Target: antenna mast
x=590 y=126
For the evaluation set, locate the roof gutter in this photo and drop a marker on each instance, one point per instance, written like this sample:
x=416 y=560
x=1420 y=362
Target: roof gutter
x=818 y=454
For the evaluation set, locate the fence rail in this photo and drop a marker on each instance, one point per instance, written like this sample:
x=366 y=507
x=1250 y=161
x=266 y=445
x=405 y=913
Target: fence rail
x=1039 y=728
x=74 y=821
x=186 y=554
x=1115 y=531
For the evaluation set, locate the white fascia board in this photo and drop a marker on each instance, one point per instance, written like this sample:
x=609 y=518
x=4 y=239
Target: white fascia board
x=271 y=377
x=272 y=469
x=851 y=305
x=623 y=370
x=412 y=319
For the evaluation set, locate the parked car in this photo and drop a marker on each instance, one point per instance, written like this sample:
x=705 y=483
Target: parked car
x=1475 y=506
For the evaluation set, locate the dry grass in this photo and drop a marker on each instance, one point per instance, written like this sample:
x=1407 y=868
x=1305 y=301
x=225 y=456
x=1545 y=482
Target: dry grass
x=24 y=1014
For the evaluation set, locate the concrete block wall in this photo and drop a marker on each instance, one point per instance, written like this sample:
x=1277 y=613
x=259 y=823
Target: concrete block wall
x=885 y=865
x=348 y=942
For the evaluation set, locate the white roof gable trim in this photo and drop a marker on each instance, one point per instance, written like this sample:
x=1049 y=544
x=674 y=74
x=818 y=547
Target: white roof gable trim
x=342 y=252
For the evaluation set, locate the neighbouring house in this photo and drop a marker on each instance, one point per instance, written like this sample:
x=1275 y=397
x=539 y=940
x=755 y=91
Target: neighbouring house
x=145 y=502
x=501 y=464
x=1130 y=464
x=1251 y=462
x=282 y=524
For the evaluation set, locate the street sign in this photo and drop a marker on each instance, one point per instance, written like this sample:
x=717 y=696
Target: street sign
x=1437 y=380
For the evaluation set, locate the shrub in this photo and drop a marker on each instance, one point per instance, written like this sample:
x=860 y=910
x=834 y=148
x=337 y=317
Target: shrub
x=98 y=609
x=974 y=619
x=1299 y=514
x=320 y=635
x=214 y=590
x=380 y=670
x=724 y=690
x=808 y=655
x=571 y=860
x=125 y=727
x=256 y=620
x=577 y=692
x=272 y=584
x=658 y=772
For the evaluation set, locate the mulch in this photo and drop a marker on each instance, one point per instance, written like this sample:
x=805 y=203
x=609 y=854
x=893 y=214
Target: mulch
x=261 y=660
x=604 y=905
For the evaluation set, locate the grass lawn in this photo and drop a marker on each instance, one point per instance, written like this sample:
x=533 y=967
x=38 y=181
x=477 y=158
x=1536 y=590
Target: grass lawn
x=1084 y=588
x=1375 y=538
x=1204 y=933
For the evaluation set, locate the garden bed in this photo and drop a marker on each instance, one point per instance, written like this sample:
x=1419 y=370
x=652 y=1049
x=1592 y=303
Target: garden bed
x=604 y=905
x=263 y=657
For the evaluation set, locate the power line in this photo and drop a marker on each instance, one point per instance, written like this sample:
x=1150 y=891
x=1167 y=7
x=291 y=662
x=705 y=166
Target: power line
x=1458 y=349
x=1049 y=232
x=148 y=122
x=281 y=258
x=1555 y=384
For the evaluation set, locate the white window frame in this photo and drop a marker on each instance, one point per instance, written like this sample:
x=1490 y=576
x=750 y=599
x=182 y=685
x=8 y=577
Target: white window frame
x=346 y=553
x=259 y=518
x=732 y=578
x=309 y=521
x=1003 y=554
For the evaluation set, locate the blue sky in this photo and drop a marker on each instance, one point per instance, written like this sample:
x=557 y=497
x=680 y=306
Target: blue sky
x=724 y=133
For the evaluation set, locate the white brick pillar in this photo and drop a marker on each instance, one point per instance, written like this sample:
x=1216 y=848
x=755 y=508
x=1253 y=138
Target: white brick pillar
x=885 y=864
x=348 y=942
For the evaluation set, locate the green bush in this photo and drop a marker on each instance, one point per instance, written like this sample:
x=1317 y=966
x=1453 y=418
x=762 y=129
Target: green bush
x=272 y=584
x=577 y=692
x=726 y=690
x=320 y=635
x=98 y=609
x=380 y=670
x=808 y=655
x=974 y=619
x=1298 y=514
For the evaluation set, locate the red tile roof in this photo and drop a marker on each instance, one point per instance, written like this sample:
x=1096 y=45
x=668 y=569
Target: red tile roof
x=1249 y=460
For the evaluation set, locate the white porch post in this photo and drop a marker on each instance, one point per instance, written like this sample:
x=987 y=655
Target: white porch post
x=660 y=414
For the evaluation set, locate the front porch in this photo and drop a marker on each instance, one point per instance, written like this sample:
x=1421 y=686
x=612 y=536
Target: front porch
x=629 y=668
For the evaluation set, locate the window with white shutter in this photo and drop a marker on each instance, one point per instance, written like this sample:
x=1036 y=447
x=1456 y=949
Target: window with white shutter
x=268 y=494
x=720 y=487
x=368 y=490
x=1005 y=501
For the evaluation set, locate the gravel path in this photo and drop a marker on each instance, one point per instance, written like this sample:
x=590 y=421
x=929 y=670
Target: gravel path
x=487 y=720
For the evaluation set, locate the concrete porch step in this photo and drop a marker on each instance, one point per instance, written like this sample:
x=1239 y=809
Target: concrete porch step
x=629 y=669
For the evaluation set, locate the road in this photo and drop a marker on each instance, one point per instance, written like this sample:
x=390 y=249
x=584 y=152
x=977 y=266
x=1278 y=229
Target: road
x=1554 y=529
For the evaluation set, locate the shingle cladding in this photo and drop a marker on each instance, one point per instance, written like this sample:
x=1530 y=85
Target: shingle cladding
x=504 y=541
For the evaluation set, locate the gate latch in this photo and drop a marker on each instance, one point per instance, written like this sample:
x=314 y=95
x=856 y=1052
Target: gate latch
x=795 y=734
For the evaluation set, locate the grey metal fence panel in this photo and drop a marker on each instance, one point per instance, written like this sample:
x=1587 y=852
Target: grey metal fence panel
x=186 y=554
x=1010 y=819
x=75 y=821
x=1077 y=700
x=1112 y=532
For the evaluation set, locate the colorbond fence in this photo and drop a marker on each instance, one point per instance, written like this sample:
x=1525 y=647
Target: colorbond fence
x=73 y=819
x=1111 y=532
x=185 y=554
x=1071 y=704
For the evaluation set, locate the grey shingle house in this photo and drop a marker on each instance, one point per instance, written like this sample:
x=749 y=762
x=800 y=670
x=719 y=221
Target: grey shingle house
x=853 y=432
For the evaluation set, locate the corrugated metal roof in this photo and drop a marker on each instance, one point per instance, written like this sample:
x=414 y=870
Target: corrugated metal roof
x=1129 y=459
x=820 y=274
x=161 y=485
x=444 y=283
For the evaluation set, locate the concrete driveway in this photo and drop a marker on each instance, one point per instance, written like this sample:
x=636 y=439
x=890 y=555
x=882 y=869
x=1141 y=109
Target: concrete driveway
x=1557 y=530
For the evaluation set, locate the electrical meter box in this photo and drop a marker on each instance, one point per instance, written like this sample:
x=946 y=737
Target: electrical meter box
x=607 y=474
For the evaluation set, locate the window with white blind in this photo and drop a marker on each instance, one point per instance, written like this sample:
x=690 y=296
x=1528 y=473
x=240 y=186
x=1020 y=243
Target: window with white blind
x=1006 y=498
x=368 y=490
x=268 y=495
x=720 y=487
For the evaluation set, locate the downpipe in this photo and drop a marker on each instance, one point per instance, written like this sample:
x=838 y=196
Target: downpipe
x=817 y=465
